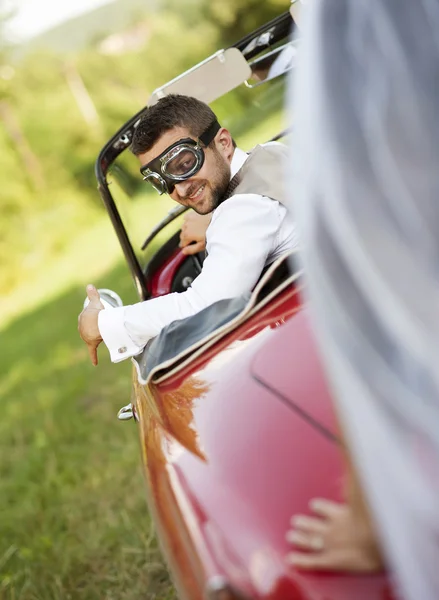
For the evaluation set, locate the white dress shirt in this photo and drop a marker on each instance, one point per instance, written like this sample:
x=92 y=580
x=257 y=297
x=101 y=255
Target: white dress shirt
x=246 y=233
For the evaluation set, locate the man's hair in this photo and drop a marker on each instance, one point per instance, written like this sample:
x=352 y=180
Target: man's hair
x=171 y=111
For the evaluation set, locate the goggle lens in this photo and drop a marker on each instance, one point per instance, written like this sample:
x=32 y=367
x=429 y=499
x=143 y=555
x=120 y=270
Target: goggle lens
x=184 y=163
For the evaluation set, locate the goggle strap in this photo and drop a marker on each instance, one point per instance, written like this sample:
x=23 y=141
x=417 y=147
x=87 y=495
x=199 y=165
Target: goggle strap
x=207 y=136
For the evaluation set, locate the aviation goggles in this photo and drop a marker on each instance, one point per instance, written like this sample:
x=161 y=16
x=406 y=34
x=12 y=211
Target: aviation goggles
x=178 y=162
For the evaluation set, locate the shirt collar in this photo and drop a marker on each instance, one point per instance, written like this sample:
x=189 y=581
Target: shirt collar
x=238 y=159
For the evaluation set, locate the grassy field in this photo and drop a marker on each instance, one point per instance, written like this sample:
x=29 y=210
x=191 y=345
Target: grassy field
x=73 y=518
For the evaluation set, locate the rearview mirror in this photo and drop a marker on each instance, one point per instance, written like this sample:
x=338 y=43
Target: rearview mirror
x=272 y=64
x=220 y=73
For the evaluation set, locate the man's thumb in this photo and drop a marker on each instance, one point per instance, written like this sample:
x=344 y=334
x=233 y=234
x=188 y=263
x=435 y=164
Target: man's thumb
x=193 y=248
x=93 y=294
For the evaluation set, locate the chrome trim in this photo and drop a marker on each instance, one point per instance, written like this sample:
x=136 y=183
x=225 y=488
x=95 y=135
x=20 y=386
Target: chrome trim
x=126 y=413
x=165 y=160
x=151 y=175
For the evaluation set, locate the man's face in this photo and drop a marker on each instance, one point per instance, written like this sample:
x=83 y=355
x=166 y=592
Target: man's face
x=204 y=190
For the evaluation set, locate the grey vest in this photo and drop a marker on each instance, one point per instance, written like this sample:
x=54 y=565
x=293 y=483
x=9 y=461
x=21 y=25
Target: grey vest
x=263 y=173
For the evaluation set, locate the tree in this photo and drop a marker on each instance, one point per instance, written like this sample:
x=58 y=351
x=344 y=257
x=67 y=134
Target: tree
x=8 y=113
x=232 y=19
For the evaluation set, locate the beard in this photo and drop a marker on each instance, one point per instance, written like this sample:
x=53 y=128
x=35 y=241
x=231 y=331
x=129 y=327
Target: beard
x=219 y=184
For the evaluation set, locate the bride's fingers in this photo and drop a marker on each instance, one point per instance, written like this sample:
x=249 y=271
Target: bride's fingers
x=306 y=523
x=326 y=508
x=306 y=541
x=309 y=561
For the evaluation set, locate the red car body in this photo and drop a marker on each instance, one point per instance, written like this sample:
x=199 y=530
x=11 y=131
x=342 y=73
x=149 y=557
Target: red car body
x=234 y=444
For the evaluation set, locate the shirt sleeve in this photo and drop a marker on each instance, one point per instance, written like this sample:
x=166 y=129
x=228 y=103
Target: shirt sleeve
x=243 y=232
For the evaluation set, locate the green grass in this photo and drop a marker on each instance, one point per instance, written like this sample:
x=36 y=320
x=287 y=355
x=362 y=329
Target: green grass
x=73 y=517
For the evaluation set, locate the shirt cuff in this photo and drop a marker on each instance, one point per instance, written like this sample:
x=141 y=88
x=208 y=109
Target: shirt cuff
x=111 y=323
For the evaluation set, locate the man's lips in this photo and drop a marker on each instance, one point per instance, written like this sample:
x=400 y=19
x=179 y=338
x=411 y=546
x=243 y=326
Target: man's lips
x=197 y=193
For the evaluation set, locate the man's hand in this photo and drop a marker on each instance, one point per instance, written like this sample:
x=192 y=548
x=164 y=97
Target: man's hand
x=88 y=323
x=193 y=232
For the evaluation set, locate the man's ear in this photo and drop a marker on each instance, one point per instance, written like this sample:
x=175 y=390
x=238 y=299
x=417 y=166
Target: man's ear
x=224 y=143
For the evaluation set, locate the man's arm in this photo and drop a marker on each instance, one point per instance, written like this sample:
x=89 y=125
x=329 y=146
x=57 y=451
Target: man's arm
x=243 y=232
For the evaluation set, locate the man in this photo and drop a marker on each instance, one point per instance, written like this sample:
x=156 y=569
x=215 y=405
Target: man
x=183 y=151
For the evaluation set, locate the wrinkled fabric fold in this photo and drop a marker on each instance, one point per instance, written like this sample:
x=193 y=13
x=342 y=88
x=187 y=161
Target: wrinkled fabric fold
x=365 y=152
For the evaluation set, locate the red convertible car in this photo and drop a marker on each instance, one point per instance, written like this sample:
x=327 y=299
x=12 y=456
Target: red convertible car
x=236 y=424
